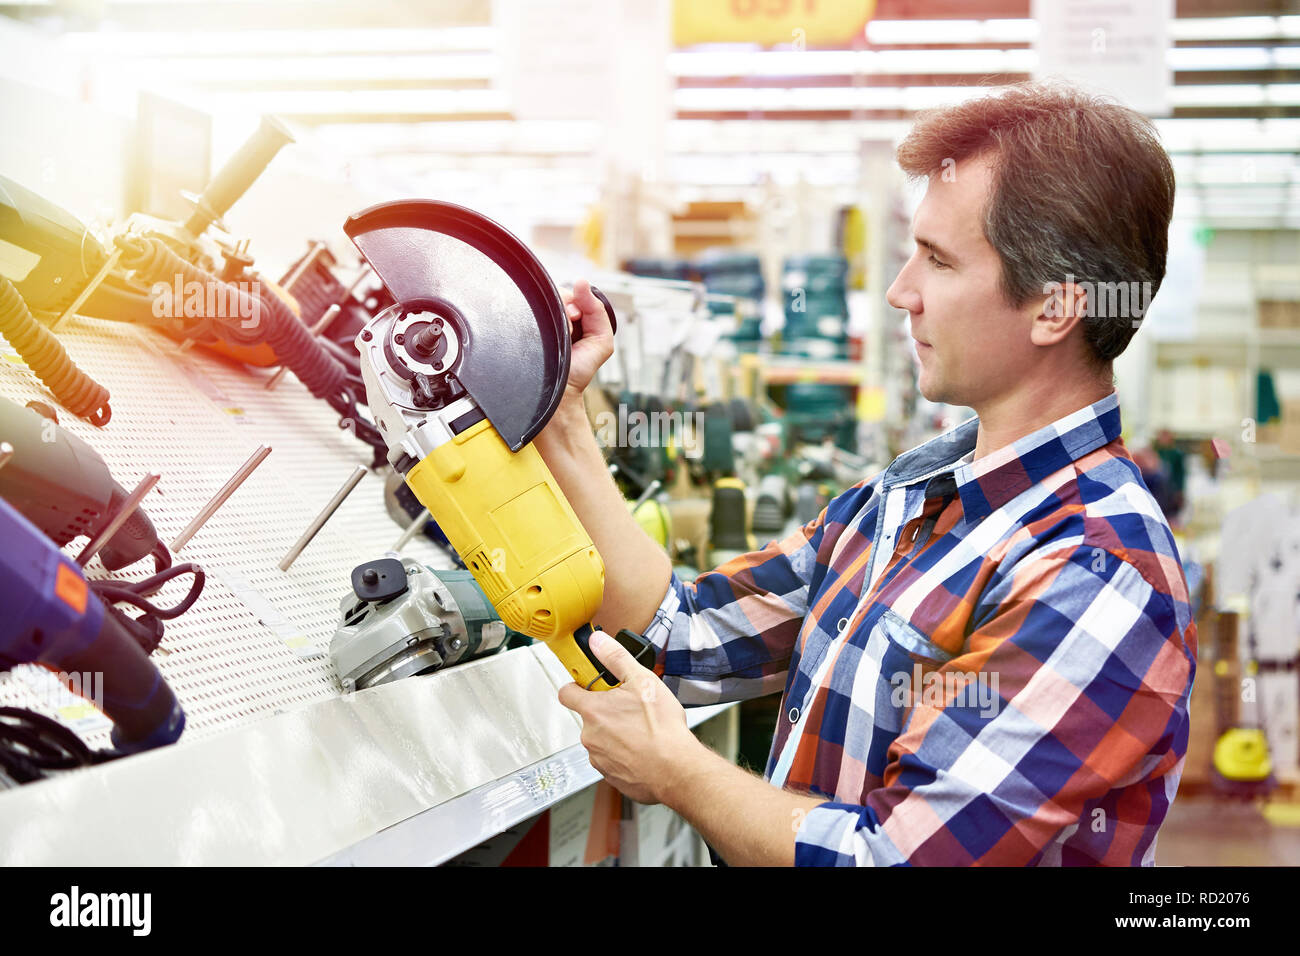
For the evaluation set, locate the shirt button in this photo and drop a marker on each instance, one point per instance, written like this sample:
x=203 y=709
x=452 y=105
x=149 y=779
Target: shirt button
x=840 y=627
x=793 y=715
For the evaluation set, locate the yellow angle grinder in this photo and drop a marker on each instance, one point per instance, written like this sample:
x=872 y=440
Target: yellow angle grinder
x=462 y=372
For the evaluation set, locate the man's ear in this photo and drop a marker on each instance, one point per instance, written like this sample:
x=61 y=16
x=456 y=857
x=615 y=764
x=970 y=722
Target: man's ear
x=1064 y=306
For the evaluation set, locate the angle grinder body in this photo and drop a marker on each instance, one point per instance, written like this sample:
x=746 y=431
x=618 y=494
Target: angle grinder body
x=462 y=372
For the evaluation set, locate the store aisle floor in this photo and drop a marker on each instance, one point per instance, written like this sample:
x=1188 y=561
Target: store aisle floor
x=1203 y=831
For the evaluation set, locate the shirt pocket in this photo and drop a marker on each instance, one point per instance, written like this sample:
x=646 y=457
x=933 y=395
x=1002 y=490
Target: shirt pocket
x=906 y=656
x=907 y=641
x=894 y=658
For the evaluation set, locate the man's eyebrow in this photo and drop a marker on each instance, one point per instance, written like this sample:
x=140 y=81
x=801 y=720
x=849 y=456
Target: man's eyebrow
x=937 y=249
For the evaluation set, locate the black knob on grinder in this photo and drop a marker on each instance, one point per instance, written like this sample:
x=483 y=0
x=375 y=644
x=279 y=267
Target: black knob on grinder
x=380 y=580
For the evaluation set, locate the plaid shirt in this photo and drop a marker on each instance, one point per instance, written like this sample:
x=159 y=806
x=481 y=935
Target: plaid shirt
x=983 y=662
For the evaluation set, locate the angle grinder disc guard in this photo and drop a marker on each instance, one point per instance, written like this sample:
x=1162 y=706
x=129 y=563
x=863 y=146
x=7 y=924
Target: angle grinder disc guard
x=514 y=359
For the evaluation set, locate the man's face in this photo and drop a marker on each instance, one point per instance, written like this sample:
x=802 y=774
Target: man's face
x=972 y=345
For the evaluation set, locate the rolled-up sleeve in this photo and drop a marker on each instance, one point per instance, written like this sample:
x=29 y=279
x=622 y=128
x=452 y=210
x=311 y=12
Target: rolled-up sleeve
x=1086 y=676
x=730 y=634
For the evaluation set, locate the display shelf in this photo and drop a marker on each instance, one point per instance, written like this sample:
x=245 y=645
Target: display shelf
x=442 y=832
x=411 y=772
x=1283 y=347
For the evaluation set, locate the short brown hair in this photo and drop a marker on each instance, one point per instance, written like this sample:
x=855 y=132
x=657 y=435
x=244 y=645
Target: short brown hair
x=1081 y=187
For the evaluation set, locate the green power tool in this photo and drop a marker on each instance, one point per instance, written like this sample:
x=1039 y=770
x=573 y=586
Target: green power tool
x=403 y=619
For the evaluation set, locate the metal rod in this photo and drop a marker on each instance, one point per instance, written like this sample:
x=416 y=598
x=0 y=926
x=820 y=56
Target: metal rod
x=219 y=499
x=328 y=316
x=411 y=530
x=309 y=260
x=128 y=507
x=319 y=521
x=77 y=303
x=6 y=452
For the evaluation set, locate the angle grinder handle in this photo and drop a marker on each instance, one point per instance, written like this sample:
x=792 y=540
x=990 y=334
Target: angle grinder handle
x=642 y=651
x=135 y=540
x=239 y=172
x=609 y=310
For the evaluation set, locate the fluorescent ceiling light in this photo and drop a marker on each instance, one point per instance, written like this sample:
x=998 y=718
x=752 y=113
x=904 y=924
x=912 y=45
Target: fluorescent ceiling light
x=1226 y=28
x=463 y=137
x=924 y=97
x=1246 y=94
x=1287 y=56
x=1026 y=31
x=704 y=135
x=1214 y=135
x=1218 y=58
x=849 y=62
x=821 y=98
x=305 y=69
x=775 y=63
x=952 y=61
x=283 y=42
x=952 y=31
x=744 y=63
x=325 y=102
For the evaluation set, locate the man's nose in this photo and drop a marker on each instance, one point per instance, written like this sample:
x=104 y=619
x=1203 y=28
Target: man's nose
x=902 y=294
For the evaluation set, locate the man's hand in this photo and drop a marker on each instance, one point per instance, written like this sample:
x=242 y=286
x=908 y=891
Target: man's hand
x=585 y=311
x=636 y=733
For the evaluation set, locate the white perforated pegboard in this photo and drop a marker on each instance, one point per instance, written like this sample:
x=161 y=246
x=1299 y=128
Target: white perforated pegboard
x=256 y=641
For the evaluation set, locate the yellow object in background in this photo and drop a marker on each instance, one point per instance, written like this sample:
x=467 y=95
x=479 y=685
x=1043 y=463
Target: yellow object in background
x=797 y=22
x=654 y=520
x=1282 y=814
x=1242 y=754
x=853 y=245
x=591 y=235
x=871 y=404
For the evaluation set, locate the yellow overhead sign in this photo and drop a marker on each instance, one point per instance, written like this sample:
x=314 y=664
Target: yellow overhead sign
x=770 y=22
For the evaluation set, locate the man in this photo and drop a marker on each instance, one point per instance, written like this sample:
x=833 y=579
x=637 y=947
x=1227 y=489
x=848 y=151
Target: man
x=986 y=651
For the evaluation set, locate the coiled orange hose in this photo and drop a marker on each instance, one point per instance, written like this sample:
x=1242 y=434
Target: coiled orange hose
x=73 y=388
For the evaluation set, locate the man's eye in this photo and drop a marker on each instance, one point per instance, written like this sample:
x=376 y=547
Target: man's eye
x=937 y=264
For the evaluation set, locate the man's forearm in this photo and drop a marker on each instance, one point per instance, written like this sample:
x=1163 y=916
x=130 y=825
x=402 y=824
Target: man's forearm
x=636 y=568
x=744 y=818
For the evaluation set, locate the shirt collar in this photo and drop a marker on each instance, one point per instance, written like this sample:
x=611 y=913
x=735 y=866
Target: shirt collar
x=990 y=482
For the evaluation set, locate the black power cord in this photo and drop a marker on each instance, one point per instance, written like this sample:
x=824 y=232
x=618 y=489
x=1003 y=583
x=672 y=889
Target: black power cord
x=32 y=744
x=147 y=629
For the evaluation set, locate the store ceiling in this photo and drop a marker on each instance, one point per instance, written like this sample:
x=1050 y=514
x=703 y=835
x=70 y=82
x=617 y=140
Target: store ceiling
x=418 y=88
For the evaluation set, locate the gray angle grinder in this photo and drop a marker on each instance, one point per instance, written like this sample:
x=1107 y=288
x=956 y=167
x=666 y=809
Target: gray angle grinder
x=403 y=619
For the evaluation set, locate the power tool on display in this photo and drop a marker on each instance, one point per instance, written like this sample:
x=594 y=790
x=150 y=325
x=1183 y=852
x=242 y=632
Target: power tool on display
x=54 y=617
x=462 y=371
x=63 y=486
x=403 y=619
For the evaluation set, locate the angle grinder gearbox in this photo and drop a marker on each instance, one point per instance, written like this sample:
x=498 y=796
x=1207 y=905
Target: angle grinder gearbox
x=404 y=619
x=462 y=372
